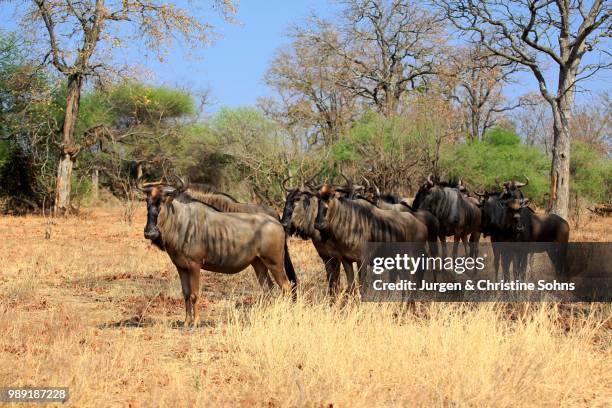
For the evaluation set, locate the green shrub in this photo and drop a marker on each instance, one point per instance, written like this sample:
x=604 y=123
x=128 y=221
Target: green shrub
x=502 y=156
x=591 y=173
x=499 y=136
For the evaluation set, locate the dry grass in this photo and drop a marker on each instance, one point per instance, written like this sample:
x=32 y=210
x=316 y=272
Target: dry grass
x=95 y=308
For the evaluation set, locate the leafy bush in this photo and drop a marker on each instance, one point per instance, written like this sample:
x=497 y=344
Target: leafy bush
x=392 y=152
x=591 y=173
x=499 y=136
x=502 y=156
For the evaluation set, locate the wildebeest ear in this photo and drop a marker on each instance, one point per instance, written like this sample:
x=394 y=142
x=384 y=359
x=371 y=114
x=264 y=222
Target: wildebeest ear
x=326 y=191
x=169 y=191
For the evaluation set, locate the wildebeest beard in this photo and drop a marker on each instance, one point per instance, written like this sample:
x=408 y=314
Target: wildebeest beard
x=158 y=242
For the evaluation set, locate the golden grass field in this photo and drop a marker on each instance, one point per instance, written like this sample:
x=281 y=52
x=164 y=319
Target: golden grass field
x=97 y=309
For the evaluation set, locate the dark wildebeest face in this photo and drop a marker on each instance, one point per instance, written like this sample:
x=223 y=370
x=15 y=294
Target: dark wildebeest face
x=327 y=193
x=424 y=190
x=513 y=200
x=154 y=202
x=493 y=213
x=502 y=211
x=324 y=195
x=295 y=198
x=158 y=195
x=294 y=195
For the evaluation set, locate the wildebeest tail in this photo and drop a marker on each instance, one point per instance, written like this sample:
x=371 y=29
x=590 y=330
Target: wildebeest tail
x=289 y=270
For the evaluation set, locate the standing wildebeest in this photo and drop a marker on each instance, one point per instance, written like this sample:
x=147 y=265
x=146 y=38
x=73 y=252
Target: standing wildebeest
x=458 y=215
x=197 y=236
x=226 y=203
x=349 y=224
x=298 y=218
x=388 y=201
x=506 y=217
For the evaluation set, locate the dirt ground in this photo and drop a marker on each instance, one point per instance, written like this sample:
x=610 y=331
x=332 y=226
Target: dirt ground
x=96 y=308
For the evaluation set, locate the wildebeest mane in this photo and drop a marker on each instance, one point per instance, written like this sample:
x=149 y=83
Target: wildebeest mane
x=226 y=195
x=226 y=203
x=390 y=198
x=186 y=198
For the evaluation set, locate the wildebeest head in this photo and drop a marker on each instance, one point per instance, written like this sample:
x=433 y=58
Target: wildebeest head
x=158 y=195
x=424 y=189
x=324 y=195
x=370 y=192
x=294 y=196
x=502 y=211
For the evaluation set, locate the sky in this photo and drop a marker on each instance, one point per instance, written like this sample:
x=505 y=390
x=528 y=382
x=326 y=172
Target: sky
x=234 y=65
x=232 y=68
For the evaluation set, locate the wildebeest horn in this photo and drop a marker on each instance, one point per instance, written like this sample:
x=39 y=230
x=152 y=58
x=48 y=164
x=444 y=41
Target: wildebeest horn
x=284 y=184
x=181 y=185
x=146 y=187
x=518 y=184
x=429 y=181
x=366 y=181
x=349 y=183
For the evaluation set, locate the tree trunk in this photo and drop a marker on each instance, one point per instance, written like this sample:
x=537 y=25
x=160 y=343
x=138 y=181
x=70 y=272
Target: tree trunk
x=560 y=168
x=69 y=149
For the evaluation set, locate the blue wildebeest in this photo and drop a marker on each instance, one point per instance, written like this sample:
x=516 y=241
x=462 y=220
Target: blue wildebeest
x=388 y=201
x=197 y=236
x=226 y=203
x=459 y=216
x=507 y=217
x=350 y=223
x=298 y=218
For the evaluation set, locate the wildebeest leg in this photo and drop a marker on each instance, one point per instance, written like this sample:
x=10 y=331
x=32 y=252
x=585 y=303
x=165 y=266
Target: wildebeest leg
x=332 y=274
x=184 y=275
x=506 y=259
x=443 y=245
x=279 y=275
x=474 y=239
x=433 y=252
x=262 y=275
x=464 y=239
x=496 y=259
x=194 y=297
x=350 y=276
x=456 y=239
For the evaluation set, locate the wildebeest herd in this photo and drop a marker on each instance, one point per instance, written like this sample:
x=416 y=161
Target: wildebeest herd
x=201 y=229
